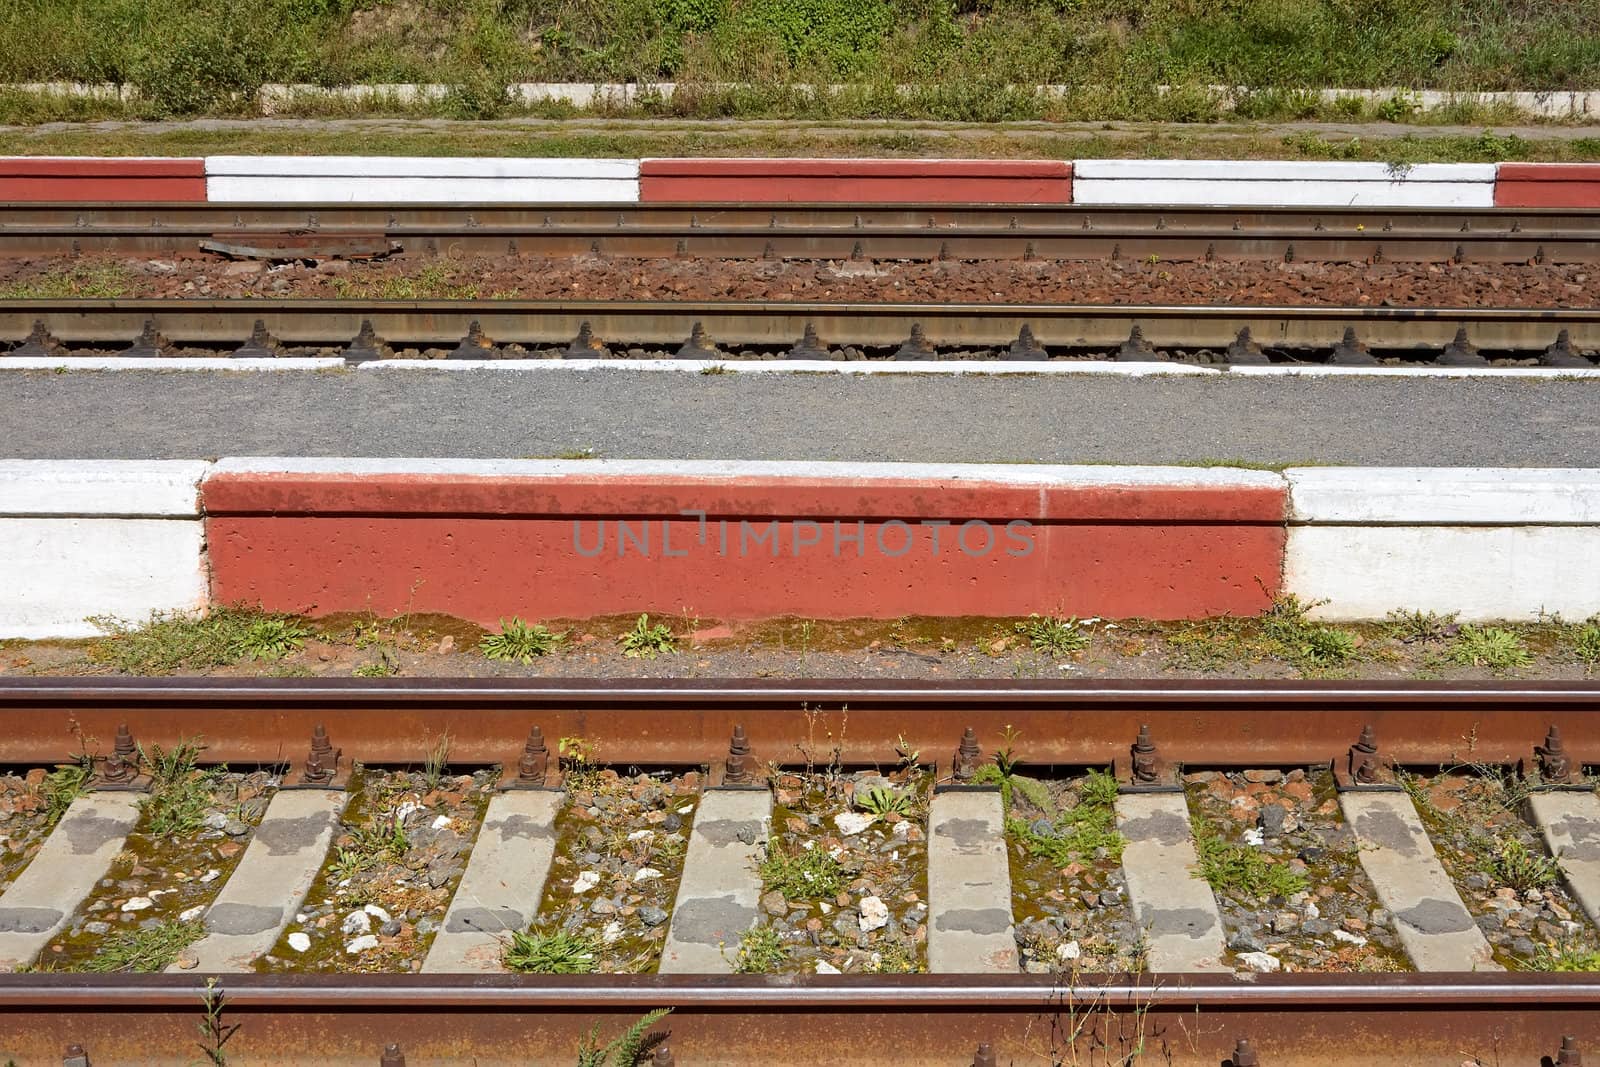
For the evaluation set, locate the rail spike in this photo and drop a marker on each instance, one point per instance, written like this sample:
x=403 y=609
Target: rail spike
x=984 y=1056
x=809 y=346
x=1244 y=1054
x=367 y=346
x=965 y=762
x=1461 y=352
x=150 y=344
x=535 y=761
x=261 y=345
x=322 y=762
x=739 y=767
x=392 y=1056
x=1026 y=346
x=1137 y=349
x=1244 y=350
x=584 y=346
x=40 y=342
x=1554 y=765
x=474 y=345
x=1562 y=354
x=123 y=764
x=75 y=1056
x=1145 y=758
x=1350 y=352
x=917 y=346
x=698 y=346
x=1569 y=1055
x=663 y=1058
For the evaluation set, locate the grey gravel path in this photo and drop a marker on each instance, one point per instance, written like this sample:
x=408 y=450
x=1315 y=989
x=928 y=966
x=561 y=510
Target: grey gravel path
x=631 y=414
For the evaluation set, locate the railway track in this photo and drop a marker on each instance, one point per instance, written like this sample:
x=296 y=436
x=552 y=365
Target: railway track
x=974 y=1008
x=807 y=231
x=487 y=329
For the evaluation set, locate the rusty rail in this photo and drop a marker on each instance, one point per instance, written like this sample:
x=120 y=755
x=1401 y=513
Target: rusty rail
x=226 y=324
x=1287 y=1020
x=812 y=231
x=688 y=722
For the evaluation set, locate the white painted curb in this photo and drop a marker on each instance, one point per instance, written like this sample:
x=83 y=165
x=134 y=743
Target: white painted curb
x=402 y=179
x=797 y=366
x=97 y=537
x=176 y=363
x=1489 y=543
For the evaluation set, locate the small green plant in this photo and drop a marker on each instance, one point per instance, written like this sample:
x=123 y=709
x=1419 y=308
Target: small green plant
x=141 y=951
x=645 y=641
x=1003 y=773
x=715 y=369
x=1239 y=870
x=882 y=801
x=1586 y=644
x=804 y=874
x=1326 y=646
x=180 y=793
x=1081 y=830
x=557 y=952
x=1493 y=647
x=1514 y=865
x=1569 y=954
x=214 y=1033
x=1054 y=636
x=273 y=637
x=63 y=785
x=380 y=840
x=633 y=1048
x=1414 y=626
x=761 y=951
x=378 y=669
x=520 y=641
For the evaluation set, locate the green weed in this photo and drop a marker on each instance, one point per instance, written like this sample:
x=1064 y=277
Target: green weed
x=437 y=764
x=881 y=801
x=519 y=641
x=63 y=785
x=558 y=952
x=1498 y=649
x=1414 y=626
x=1572 y=954
x=632 y=1048
x=180 y=793
x=1514 y=865
x=804 y=874
x=173 y=641
x=1081 y=830
x=381 y=840
x=141 y=951
x=1054 y=636
x=1239 y=870
x=1586 y=643
x=273 y=637
x=645 y=641
x=761 y=951
x=1002 y=772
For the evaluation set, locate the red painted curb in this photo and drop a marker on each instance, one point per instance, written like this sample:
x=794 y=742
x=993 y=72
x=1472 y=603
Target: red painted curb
x=483 y=547
x=1547 y=185
x=59 y=179
x=941 y=181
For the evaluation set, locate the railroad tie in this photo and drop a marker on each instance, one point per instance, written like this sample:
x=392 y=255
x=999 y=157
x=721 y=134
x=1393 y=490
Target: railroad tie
x=75 y=856
x=505 y=876
x=721 y=888
x=270 y=883
x=1435 y=927
x=970 y=928
x=1570 y=823
x=1173 y=905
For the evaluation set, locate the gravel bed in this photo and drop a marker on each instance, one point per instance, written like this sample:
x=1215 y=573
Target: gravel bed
x=1502 y=871
x=984 y=282
x=162 y=882
x=25 y=821
x=1329 y=919
x=845 y=890
x=1070 y=904
x=620 y=845
x=383 y=890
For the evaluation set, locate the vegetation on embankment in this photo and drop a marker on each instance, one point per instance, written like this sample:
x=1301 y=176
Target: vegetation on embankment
x=966 y=58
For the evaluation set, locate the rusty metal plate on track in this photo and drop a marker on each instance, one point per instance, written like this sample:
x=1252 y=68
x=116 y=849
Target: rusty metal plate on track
x=287 y=246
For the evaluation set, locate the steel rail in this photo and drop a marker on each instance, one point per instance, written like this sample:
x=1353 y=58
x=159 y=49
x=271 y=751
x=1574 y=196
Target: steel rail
x=811 y=231
x=1290 y=1020
x=779 y=324
x=682 y=722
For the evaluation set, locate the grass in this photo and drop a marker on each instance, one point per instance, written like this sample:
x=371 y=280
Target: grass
x=1570 y=954
x=180 y=793
x=1080 y=831
x=645 y=641
x=381 y=840
x=63 y=785
x=79 y=281
x=1513 y=864
x=1586 y=642
x=142 y=951
x=1414 y=626
x=804 y=874
x=632 y=1048
x=437 y=764
x=1054 y=636
x=557 y=952
x=761 y=951
x=518 y=640
x=173 y=641
x=1500 y=650
x=1001 y=771
x=1240 y=871
x=965 y=61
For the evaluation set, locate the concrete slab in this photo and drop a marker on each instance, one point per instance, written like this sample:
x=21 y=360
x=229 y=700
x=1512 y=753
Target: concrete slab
x=75 y=856
x=970 y=927
x=1570 y=823
x=720 y=889
x=1173 y=904
x=500 y=891
x=1435 y=928
x=272 y=880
